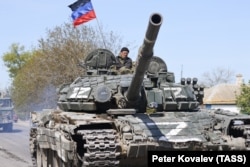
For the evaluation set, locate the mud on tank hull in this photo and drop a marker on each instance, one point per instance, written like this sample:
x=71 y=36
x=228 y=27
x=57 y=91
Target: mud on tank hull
x=77 y=139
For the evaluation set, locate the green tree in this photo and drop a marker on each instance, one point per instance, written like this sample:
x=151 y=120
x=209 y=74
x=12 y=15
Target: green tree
x=56 y=61
x=243 y=100
x=15 y=59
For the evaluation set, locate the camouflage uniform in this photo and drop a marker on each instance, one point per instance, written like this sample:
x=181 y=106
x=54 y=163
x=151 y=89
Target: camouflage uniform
x=120 y=62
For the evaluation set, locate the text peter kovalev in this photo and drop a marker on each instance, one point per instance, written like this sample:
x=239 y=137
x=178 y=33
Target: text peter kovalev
x=198 y=158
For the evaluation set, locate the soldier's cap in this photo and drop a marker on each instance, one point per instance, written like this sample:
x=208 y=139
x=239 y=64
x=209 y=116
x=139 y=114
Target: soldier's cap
x=124 y=49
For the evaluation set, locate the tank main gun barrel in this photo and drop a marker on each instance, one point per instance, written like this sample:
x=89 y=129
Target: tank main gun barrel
x=144 y=56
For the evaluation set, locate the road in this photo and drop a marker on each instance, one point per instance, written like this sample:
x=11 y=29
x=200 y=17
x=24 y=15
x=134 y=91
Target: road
x=14 y=146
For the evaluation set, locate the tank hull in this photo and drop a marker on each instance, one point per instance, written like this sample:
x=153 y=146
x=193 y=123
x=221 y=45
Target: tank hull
x=76 y=139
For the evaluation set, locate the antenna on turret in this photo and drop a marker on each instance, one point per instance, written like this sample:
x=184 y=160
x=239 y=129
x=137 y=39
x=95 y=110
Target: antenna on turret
x=100 y=32
x=181 y=70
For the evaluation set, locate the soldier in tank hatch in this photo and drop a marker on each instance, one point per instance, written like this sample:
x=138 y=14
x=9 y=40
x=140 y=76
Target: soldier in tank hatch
x=122 y=60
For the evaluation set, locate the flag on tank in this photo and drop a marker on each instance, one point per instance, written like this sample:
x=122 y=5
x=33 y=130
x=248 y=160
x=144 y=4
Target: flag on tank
x=83 y=11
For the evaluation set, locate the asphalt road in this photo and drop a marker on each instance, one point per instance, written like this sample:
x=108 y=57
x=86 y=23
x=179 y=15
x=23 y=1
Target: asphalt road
x=14 y=146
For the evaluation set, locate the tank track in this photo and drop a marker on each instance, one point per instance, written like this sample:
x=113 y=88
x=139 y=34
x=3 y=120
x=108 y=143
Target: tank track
x=101 y=148
x=32 y=144
x=247 y=129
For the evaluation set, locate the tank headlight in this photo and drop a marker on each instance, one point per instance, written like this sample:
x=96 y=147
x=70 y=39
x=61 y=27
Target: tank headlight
x=102 y=94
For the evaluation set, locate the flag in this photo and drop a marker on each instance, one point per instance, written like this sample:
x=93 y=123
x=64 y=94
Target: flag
x=83 y=11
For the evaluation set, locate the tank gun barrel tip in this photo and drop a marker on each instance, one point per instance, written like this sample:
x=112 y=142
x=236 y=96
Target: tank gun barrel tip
x=156 y=19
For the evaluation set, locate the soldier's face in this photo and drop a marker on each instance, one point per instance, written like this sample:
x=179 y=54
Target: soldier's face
x=124 y=54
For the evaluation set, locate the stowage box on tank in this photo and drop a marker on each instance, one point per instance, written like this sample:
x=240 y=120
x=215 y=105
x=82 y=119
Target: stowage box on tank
x=111 y=118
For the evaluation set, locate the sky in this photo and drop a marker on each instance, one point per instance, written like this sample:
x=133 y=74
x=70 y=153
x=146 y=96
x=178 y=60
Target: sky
x=196 y=36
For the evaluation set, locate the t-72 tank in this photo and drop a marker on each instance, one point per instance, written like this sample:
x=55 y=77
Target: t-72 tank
x=113 y=118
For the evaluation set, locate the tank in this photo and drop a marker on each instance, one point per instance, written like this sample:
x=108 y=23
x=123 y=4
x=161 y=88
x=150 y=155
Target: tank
x=113 y=118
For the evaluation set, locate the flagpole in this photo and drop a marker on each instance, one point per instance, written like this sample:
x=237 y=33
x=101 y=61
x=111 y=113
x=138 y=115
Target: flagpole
x=100 y=29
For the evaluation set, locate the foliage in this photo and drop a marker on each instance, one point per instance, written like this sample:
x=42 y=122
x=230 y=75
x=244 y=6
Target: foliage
x=243 y=100
x=15 y=59
x=217 y=76
x=55 y=61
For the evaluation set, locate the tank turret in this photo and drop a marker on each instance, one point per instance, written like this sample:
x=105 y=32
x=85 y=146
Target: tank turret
x=105 y=88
